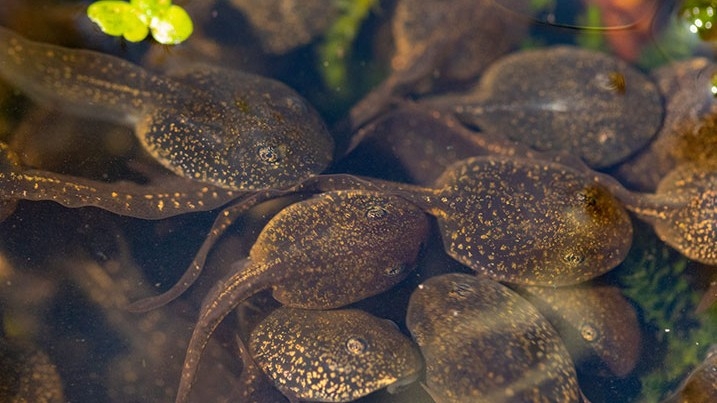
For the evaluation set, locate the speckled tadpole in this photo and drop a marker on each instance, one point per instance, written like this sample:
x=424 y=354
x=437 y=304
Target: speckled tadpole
x=325 y=252
x=519 y=220
x=440 y=41
x=124 y=198
x=564 y=98
x=223 y=127
x=688 y=131
x=333 y=356
x=483 y=342
x=526 y=221
x=593 y=321
x=683 y=210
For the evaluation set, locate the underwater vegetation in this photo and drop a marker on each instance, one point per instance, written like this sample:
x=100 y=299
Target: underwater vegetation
x=507 y=213
x=657 y=280
x=335 y=49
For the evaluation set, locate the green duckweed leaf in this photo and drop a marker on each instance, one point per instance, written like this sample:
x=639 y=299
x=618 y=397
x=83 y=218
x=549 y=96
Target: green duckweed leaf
x=168 y=23
x=172 y=26
x=118 y=18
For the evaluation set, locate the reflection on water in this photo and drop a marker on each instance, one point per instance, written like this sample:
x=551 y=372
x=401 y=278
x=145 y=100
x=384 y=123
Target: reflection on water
x=124 y=228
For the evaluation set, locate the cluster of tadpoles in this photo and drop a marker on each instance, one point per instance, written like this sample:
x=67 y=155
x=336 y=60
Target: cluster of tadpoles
x=511 y=214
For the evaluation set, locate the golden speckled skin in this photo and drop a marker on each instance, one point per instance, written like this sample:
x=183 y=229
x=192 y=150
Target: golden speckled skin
x=689 y=196
x=223 y=127
x=529 y=221
x=331 y=250
x=332 y=356
x=482 y=342
x=124 y=198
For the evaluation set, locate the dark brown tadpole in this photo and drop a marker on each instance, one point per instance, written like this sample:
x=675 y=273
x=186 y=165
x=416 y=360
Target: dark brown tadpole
x=446 y=41
x=333 y=356
x=689 y=130
x=592 y=320
x=222 y=127
x=530 y=222
x=520 y=220
x=683 y=210
x=151 y=201
x=587 y=103
x=526 y=221
x=328 y=251
x=284 y=25
x=483 y=342
x=426 y=141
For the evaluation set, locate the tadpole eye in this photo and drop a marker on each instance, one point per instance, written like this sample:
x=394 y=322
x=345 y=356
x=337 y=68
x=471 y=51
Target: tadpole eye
x=588 y=332
x=573 y=258
x=394 y=271
x=376 y=212
x=460 y=290
x=356 y=345
x=587 y=197
x=269 y=154
x=613 y=81
x=617 y=81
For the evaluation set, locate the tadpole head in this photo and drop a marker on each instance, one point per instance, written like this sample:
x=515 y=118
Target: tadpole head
x=252 y=134
x=358 y=244
x=336 y=356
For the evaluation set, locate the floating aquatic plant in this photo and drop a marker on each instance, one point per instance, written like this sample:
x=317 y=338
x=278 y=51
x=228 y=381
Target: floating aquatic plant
x=655 y=279
x=134 y=20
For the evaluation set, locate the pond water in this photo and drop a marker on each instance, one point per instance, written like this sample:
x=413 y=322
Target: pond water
x=107 y=194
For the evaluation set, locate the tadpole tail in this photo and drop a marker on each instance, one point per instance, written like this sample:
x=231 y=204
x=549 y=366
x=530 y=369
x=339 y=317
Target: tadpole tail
x=122 y=198
x=321 y=183
x=225 y=219
x=648 y=207
x=228 y=216
x=83 y=81
x=396 y=86
x=222 y=299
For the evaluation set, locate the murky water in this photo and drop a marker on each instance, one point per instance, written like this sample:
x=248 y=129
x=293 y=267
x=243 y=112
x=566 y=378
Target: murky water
x=70 y=268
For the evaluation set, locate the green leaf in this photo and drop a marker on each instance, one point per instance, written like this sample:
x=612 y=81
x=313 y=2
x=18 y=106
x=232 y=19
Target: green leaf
x=150 y=9
x=169 y=24
x=118 y=18
x=172 y=26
